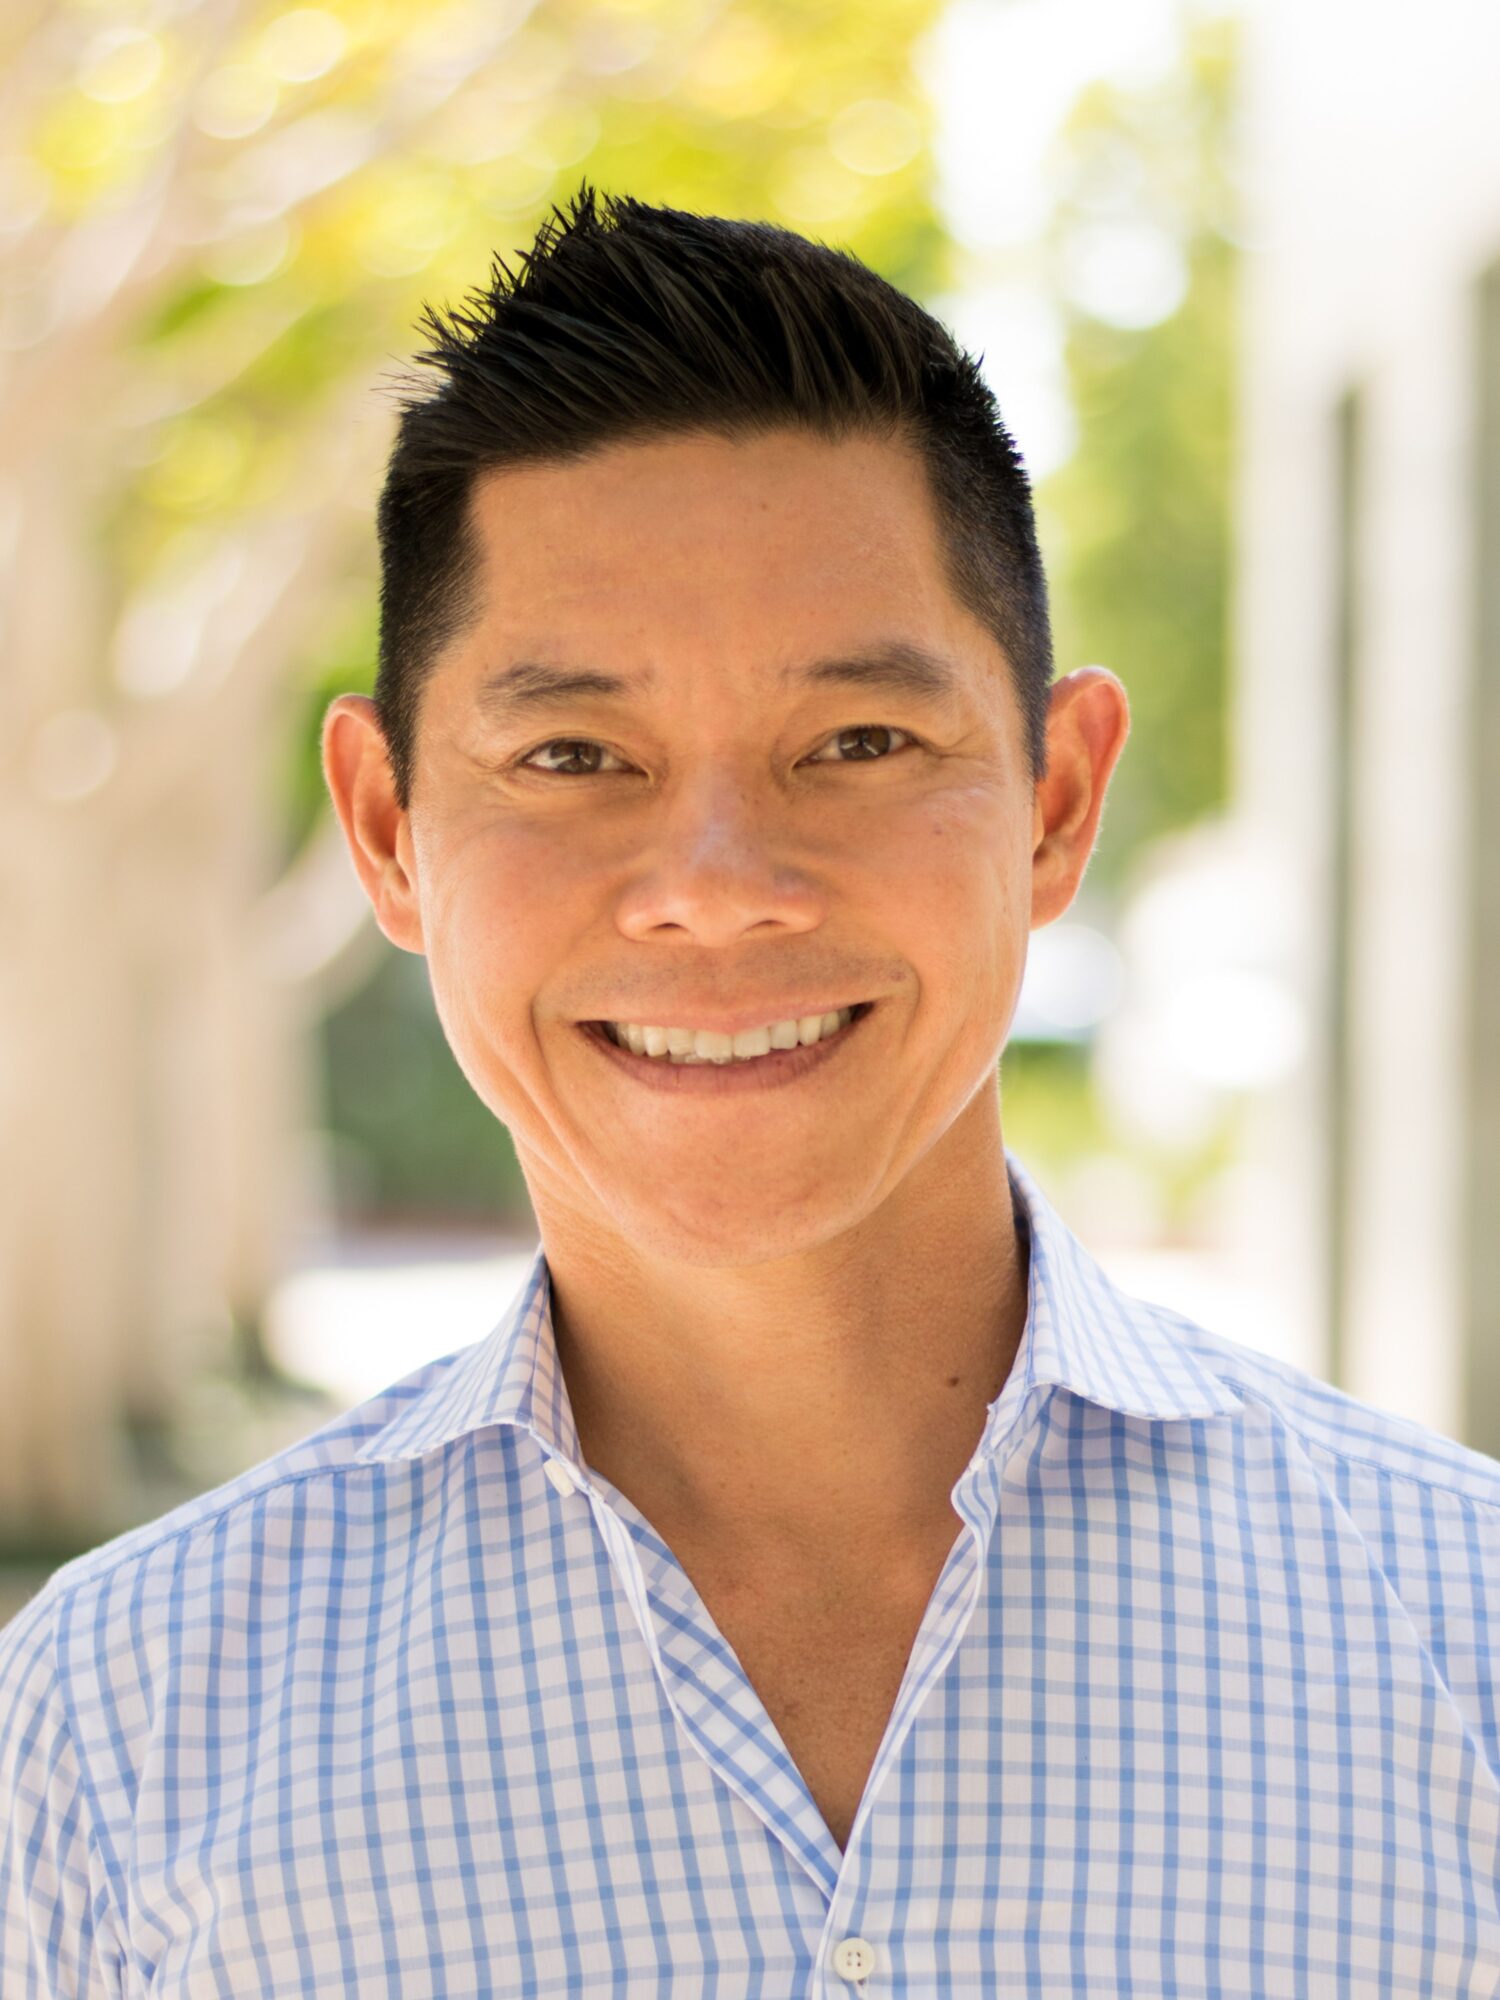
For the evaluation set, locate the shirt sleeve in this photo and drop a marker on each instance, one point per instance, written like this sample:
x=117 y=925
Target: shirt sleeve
x=58 y=1939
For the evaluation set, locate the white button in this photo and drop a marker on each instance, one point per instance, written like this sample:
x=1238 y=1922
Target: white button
x=854 y=1958
x=561 y=1476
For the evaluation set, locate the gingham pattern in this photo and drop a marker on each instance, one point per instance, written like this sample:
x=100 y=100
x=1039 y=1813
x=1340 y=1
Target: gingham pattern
x=1203 y=1706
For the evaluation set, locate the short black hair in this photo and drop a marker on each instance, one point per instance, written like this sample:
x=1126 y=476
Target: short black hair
x=630 y=321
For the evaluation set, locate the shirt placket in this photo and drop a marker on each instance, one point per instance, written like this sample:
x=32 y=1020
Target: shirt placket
x=723 y=1717
x=714 y=1703
x=851 y=1956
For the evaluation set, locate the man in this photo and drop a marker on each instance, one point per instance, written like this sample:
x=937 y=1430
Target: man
x=823 y=1579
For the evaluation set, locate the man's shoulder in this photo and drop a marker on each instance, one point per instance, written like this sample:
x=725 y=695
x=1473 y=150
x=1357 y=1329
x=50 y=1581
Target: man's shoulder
x=327 y=1454
x=1337 y=1425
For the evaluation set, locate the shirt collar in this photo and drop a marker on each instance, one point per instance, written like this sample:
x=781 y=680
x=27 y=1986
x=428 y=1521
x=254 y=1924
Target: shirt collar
x=1082 y=1334
x=1085 y=1335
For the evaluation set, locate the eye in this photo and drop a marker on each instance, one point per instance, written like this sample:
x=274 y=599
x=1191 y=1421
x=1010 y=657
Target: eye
x=879 y=730
x=575 y=747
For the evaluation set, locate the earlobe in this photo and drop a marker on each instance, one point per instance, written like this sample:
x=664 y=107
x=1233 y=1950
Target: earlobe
x=397 y=910
x=357 y=771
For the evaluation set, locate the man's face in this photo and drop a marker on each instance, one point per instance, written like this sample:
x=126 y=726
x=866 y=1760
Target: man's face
x=725 y=845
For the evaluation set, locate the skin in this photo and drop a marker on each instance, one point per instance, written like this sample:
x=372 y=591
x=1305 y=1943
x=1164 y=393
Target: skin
x=780 y=1315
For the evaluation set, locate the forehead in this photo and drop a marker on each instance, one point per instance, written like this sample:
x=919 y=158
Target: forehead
x=706 y=531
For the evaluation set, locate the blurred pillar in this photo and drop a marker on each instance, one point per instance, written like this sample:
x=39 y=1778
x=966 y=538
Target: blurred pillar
x=66 y=1029
x=1480 y=1378
x=152 y=1082
x=68 y=1275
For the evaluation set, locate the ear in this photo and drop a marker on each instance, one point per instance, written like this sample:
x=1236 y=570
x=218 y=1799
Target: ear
x=357 y=769
x=1087 y=724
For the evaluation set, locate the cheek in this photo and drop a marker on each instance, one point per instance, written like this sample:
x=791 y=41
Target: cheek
x=964 y=850
x=502 y=926
x=960 y=877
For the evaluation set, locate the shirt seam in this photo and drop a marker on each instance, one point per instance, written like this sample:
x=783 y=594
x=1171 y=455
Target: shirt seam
x=1312 y=1443
x=170 y=1535
x=94 y=1828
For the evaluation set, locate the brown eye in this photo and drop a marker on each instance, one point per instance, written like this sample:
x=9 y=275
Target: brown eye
x=573 y=748
x=871 y=742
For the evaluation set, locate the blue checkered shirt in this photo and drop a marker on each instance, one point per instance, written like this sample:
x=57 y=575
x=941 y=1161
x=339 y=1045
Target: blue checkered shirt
x=1204 y=1705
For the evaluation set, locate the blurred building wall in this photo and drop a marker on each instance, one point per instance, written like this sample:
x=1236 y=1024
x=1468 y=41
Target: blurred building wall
x=1367 y=702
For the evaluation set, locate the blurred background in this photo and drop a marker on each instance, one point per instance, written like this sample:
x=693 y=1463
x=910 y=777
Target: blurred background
x=1233 y=273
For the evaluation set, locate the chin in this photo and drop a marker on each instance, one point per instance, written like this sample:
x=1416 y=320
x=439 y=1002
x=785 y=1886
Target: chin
x=718 y=1235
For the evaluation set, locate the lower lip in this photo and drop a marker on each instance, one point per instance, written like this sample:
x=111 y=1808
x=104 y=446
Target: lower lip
x=729 y=1079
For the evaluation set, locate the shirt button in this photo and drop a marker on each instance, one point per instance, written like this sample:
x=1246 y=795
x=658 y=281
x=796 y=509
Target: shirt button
x=854 y=1958
x=561 y=1476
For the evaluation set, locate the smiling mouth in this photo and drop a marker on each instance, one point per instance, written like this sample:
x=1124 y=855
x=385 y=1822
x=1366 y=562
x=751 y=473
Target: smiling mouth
x=775 y=1047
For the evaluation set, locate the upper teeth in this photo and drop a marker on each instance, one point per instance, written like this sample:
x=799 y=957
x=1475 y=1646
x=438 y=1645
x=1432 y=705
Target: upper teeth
x=698 y=1045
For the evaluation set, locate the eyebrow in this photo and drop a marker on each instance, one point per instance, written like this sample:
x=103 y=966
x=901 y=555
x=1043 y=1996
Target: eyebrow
x=894 y=667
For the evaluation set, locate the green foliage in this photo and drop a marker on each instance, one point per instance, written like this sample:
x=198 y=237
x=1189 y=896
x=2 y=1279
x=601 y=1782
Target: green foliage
x=340 y=659
x=1050 y=1110
x=353 y=160
x=411 y=1138
x=1137 y=525
x=1136 y=528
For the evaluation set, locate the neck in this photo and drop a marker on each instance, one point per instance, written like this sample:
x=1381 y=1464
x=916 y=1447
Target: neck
x=826 y=1401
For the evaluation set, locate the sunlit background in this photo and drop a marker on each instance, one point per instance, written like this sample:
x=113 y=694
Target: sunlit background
x=1232 y=273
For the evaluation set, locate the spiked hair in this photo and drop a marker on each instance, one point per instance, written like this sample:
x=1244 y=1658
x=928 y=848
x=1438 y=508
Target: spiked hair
x=629 y=321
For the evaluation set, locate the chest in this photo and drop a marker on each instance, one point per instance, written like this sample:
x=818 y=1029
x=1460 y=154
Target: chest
x=826 y=1663
x=1101 y=1794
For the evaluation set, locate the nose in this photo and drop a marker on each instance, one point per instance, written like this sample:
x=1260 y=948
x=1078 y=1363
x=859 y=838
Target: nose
x=719 y=864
